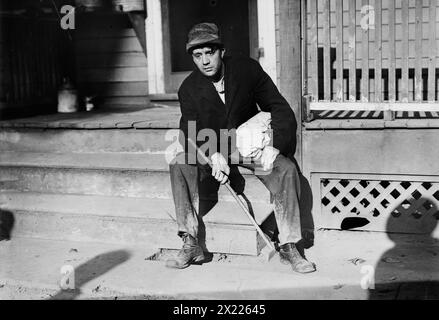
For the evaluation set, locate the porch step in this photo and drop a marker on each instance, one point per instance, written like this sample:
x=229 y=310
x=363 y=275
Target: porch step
x=127 y=220
x=112 y=174
x=63 y=140
x=104 y=176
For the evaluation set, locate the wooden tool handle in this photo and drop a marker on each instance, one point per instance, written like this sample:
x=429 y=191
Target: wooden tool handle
x=237 y=198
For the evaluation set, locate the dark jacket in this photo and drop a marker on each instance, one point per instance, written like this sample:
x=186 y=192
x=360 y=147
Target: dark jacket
x=246 y=87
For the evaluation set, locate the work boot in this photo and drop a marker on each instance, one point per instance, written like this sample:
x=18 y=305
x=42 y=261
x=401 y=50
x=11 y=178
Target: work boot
x=289 y=254
x=189 y=254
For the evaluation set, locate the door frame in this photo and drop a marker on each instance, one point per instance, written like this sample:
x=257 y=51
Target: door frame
x=160 y=78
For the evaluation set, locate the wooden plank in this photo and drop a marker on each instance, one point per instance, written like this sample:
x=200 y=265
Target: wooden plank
x=351 y=52
x=113 y=74
x=387 y=115
x=374 y=106
x=392 y=53
x=111 y=59
x=155 y=43
x=168 y=76
x=365 y=60
x=138 y=22
x=418 y=51
x=404 y=91
x=253 y=29
x=290 y=75
x=87 y=32
x=378 y=51
x=333 y=114
x=324 y=113
x=385 y=52
x=123 y=5
x=355 y=113
x=131 y=44
x=326 y=50
x=433 y=52
x=339 y=51
x=304 y=55
x=366 y=114
x=344 y=113
x=127 y=88
x=313 y=40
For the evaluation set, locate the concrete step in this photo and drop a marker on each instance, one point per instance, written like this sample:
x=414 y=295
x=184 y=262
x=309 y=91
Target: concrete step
x=30 y=269
x=88 y=141
x=128 y=220
x=112 y=174
x=111 y=182
x=113 y=160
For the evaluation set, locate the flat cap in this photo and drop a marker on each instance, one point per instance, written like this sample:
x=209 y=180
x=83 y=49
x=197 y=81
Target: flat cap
x=203 y=33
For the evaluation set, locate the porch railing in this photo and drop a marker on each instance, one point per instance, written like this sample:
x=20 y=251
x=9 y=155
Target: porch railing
x=377 y=55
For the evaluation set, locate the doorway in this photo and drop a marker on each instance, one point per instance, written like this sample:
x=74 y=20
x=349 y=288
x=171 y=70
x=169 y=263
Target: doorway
x=237 y=21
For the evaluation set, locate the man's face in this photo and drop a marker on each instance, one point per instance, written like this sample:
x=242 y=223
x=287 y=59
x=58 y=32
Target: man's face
x=208 y=60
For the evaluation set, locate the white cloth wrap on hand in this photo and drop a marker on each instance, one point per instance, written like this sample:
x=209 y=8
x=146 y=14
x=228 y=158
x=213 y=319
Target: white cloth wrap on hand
x=254 y=134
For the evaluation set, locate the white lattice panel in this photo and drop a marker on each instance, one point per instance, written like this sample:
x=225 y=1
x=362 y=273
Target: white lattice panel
x=394 y=206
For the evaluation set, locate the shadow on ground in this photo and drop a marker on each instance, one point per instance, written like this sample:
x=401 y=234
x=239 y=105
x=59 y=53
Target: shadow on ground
x=7 y=222
x=417 y=259
x=92 y=269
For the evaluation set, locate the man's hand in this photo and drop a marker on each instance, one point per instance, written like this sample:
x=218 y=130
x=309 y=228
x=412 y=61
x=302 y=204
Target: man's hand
x=220 y=168
x=268 y=156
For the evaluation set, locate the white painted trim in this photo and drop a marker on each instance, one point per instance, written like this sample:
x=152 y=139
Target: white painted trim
x=372 y=106
x=154 y=47
x=267 y=36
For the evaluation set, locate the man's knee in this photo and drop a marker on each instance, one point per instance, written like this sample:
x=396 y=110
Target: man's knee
x=286 y=166
x=180 y=164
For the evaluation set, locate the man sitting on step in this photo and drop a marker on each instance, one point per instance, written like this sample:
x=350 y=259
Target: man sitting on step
x=223 y=93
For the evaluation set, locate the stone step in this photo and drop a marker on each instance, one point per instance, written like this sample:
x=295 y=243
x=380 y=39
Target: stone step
x=111 y=174
x=113 y=160
x=110 y=182
x=84 y=141
x=128 y=220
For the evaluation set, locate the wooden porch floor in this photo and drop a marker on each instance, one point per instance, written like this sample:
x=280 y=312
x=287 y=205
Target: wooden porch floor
x=166 y=115
x=122 y=117
x=352 y=114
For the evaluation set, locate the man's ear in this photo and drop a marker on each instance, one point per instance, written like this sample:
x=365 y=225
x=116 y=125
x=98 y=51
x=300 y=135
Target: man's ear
x=223 y=51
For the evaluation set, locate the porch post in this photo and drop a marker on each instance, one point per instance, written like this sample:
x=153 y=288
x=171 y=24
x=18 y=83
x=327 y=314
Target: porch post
x=290 y=71
x=154 y=47
x=267 y=37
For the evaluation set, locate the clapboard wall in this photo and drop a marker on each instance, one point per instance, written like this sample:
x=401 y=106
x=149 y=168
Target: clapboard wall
x=110 y=62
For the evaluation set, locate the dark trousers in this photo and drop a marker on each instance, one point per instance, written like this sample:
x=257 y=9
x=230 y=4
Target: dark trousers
x=283 y=183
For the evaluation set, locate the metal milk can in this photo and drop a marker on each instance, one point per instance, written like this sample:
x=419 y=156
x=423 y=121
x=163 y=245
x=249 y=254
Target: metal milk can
x=67 y=97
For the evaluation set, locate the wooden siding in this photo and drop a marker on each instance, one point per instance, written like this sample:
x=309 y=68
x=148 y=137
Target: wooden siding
x=111 y=63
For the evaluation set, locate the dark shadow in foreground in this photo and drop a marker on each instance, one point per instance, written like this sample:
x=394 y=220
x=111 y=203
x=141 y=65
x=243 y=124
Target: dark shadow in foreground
x=92 y=269
x=410 y=269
